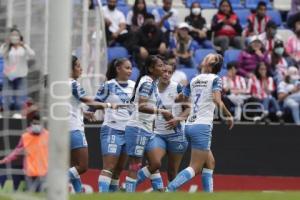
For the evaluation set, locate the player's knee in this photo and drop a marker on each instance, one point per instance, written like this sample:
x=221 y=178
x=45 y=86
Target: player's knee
x=154 y=165
x=82 y=168
x=109 y=167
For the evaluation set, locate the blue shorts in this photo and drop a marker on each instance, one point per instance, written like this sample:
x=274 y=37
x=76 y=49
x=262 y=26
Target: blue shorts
x=112 y=141
x=137 y=140
x=199 y=136
x=173 y=143
x=78 y=139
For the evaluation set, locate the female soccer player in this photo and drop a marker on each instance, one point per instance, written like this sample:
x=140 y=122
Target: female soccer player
x=169 y=137
x=79 y=150
x=117 y=89
x=139 y=130
x=205 y=93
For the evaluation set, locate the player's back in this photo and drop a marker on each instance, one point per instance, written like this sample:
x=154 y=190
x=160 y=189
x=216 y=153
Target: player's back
x=201 y=94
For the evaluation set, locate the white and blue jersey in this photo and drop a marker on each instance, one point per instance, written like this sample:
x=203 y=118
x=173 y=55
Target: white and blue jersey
x=171 y=140
x=78 y=139
x=113 y=128
x=200 y=121
x=139 y=130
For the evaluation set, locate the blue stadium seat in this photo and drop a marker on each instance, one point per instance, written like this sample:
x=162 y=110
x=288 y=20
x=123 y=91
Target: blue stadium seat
x=203 y=3
x=116 y=52
x=124 y=9
x=252 y=4
x=231 y=55
x=119 y=2
x=189 y=72
x=243 y=16
x=135 y=74
x=236 y=4
x=223 y=72
x=1 y=69
x=275 y=16
x=200 y=54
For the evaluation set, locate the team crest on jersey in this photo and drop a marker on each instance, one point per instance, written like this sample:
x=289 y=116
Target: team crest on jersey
x=192 y=118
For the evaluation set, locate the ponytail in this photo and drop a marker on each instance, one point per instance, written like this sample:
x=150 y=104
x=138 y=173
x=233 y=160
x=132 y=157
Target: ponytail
x=112 y=67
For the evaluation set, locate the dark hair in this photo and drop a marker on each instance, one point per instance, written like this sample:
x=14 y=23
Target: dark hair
x=136 y=11
x=257 y=70
x=249 y=49
x=261 y=3
x=149 y=16
x=229 y=3
x=73 y=61
x=217 y=65
x=195 y=2
x=271 y=24
x=274 y=57
x=149 y=63
x=111 y=71
x=232 y=64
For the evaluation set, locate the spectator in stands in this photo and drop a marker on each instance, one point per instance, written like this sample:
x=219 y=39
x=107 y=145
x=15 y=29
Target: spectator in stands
x=198 y=26
x=257 y=21
x=167 y=18
x=226 y=27
x=33 y=144
x=235 y=88
x=279 y=61
x=136 y=17
x=251 y=56
x=270 y=36
x=16 y=55
x=293 y=43
x=289 y=93
x=295 y=8
x=182 y=45
x=115 y=24
x=262 y=86
x=149 y=40
x=178 y=76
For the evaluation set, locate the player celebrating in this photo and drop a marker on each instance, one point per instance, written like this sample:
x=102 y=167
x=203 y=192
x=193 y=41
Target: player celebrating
x=169 y=138
x=205 y=93
x=118 y=89
x=79 y=150
x=139 y=130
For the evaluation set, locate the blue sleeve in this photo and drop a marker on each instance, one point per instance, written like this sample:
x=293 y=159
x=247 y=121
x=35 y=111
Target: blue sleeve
x=102 y=93
x=146 y=89
x=77 y=91
x=217 y=84
x=193 y=46
x=179 y=88
x=172 y=44
x=187 y=90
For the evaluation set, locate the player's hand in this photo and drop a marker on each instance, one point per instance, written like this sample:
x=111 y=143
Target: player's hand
x=167 y=115
x=171 y=124
x=117 y=106
x=230 y=122
x=89 y=116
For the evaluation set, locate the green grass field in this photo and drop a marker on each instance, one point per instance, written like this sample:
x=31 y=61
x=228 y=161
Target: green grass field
x=277 y=195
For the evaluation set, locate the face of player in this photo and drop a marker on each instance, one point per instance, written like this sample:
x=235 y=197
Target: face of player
x=77 y=70
x=167 y=74
x=124 y=71
x=157 y=70
x=261 y=11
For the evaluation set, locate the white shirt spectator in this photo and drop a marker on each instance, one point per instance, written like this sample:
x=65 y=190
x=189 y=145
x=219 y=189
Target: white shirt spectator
x=169 y=24
x=116 y=17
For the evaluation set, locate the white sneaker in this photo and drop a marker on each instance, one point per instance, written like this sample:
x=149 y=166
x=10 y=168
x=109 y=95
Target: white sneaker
x=17 y=116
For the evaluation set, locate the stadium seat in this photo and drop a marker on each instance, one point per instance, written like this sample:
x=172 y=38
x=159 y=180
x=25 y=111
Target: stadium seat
x=285 y=34
x=1 y=70
x=124 y=9
x=282 y=5
x=135 y=74
x=208 y=14
x=182 y=13
x=200 y=54
x=236 y=4
x=231 y=55
x=252 y=4
x=116 y=52
x=275 y=16
x=189 y=72
x=119 y=2
x=203 y=3
x=243 y=16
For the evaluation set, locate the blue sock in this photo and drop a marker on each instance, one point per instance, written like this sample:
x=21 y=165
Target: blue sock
x=183 y=177
x=207 y=180
x=114 y=185
x=130 y=184
x=157 y=182
x=75 y=179
x=142 y=175
x=104 y=183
